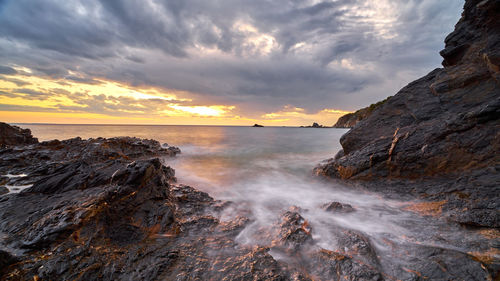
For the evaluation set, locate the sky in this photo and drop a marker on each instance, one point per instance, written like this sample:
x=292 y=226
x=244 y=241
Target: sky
x=212 y=62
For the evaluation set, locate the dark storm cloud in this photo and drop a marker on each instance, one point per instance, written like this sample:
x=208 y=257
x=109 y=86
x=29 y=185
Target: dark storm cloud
x=54 y=26
x=342 y=54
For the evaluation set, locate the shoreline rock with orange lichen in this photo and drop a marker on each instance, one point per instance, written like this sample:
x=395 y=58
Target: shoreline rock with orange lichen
x=108 y=209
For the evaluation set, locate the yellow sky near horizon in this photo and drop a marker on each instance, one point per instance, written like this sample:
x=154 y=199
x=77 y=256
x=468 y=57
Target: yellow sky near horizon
x=26 y=98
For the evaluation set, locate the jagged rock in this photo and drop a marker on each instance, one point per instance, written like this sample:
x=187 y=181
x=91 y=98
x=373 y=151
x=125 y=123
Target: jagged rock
x=257 y=126
x=442 y=129
x=334 y=266
x=138 y=225
x=293 y=231
x=92 y=159
x=13 y=135
x=6 y=259
x=355 y=244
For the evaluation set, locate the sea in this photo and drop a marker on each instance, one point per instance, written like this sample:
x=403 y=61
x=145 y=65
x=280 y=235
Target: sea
x=267 y=171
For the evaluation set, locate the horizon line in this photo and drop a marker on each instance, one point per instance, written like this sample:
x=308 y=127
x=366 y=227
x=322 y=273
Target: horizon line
x=95 y=124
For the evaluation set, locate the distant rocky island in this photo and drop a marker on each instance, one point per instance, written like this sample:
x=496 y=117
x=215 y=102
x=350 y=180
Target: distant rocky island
x=112 y=209
x=257 y=126
x=314 y=125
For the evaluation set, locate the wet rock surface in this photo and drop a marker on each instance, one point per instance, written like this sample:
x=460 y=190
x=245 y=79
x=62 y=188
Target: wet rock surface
x=73 y=163
x=127 y=218
x=438 y=138
x=337 y=207
x=109 y=209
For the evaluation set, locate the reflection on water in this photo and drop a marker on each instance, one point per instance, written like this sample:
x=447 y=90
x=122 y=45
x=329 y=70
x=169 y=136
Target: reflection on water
x=268 y=170
x=221 y=158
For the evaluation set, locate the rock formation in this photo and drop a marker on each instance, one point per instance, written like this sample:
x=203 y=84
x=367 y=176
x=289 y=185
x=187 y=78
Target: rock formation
x=315 y=125
x=439 y=136
x=13 y=135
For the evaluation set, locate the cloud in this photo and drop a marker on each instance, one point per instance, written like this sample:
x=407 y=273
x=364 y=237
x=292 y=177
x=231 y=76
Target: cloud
x=7 y=70
x=28 y=108
x=84 y=80
x=257 y=55
x=27 y=94
x=18 y=82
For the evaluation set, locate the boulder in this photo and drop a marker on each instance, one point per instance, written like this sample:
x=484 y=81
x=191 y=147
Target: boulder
x=337 y=207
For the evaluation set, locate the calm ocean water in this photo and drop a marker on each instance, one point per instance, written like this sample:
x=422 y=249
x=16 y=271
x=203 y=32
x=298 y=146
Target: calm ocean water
x=268 y=170
x=219 y=157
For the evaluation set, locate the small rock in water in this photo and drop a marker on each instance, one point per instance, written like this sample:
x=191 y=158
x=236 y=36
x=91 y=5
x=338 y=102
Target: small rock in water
x=293 y=231
x=336 y=207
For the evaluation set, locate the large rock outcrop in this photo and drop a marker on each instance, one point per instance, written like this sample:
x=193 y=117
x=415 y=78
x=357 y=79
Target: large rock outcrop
x=439 y=136
x=13 y=135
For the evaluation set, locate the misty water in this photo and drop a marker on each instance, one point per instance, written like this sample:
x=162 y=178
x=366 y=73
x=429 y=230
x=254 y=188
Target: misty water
x=266 y=171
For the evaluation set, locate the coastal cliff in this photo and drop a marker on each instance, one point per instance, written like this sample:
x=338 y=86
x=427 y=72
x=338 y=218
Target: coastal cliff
x=351 y=119
x=439 y=136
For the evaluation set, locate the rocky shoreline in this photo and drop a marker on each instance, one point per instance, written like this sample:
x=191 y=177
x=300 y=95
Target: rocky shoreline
x=108 y=209
x=112 y=209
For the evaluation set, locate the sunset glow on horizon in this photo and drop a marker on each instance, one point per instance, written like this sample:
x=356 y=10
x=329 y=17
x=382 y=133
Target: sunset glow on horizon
x=275 y=63
x=35 y=99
